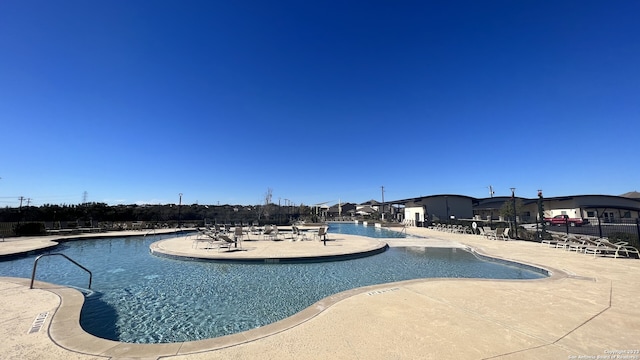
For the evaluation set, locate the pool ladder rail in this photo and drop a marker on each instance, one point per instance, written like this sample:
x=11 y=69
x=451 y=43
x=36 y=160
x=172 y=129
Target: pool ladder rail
x=35 y=266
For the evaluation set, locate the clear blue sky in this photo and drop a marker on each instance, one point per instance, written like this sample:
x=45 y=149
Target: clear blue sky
x=137 y=101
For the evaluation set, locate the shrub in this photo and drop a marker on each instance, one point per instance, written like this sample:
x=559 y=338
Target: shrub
x=524 y=234
x=632 y=239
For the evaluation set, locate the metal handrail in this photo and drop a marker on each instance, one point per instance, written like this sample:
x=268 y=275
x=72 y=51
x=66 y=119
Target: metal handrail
x=35 y=265
x=149 y=232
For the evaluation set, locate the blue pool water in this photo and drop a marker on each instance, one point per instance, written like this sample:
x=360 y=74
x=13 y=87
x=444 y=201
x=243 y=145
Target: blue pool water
x=140 y=298
x=359 y=229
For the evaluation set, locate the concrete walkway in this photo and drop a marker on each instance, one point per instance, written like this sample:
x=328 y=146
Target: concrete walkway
x=586 y=308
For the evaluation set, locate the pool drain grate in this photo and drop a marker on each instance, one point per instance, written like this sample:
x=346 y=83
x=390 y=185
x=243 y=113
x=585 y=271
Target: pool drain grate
x=38 y=322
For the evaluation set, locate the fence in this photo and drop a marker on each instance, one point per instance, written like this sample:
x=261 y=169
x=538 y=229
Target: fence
x=621 y=230
x=7 y=229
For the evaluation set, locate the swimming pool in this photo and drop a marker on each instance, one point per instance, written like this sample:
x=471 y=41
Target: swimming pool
x=140 y=298
x=351 y=228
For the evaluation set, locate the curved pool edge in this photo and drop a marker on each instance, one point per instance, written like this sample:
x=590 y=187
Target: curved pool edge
x=276 y=260
x=338 y=247
x=16 y=247
x=270 y=259
x=527 y=266
x=28 y=247
x=65 y=330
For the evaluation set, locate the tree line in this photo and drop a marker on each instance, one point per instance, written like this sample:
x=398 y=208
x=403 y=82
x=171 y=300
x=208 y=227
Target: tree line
x=101 y=212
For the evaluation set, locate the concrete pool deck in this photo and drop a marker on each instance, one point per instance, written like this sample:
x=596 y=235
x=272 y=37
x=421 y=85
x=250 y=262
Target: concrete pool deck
x=269 y=251
x=285 y=249
x=586 y=308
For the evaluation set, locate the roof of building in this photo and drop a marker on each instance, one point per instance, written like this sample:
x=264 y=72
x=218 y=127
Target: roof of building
x=366 y=209
x=631 y=194
x=420 y=198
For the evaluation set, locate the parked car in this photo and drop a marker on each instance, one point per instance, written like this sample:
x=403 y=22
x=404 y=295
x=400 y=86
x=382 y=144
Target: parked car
x=564 y=219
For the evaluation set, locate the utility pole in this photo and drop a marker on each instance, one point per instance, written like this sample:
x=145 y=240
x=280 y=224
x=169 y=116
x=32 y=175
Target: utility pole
x=515 y=220
x=542 y=235
x=287 y=204
x=179 y=212
x=21 y=198
x=491 y=193
x=382 y=189
x=28 y=215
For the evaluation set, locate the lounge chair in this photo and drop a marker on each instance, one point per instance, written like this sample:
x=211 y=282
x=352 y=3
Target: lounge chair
x=481 y=231
x=321 y=234
x=294 y=234
x=590 y=243
x=555 y=239
x=238 y=234
x=505 y=234
x=214 y=243
x=487 y=232
x=266 y=233
x=227 y=242
x=200 y=237
x=495 y=233
x=297 y=234
x=605 y=247
x=566 y=241
x=206 y=236
x=578 y=244
x=254 y=230
x=275 y=233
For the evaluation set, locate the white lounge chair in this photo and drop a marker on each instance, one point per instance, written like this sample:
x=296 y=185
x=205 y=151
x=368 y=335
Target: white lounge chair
x=564 y=241
x=207 y=236
x=482 y=231
x=201 y=236
x=505 y=234
x=605 y=247
x=555 y=239
x=578 y=244
x=254 y=230
x=275 y=233
x=493 y=234
x=267 y=232
x=297 y=234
